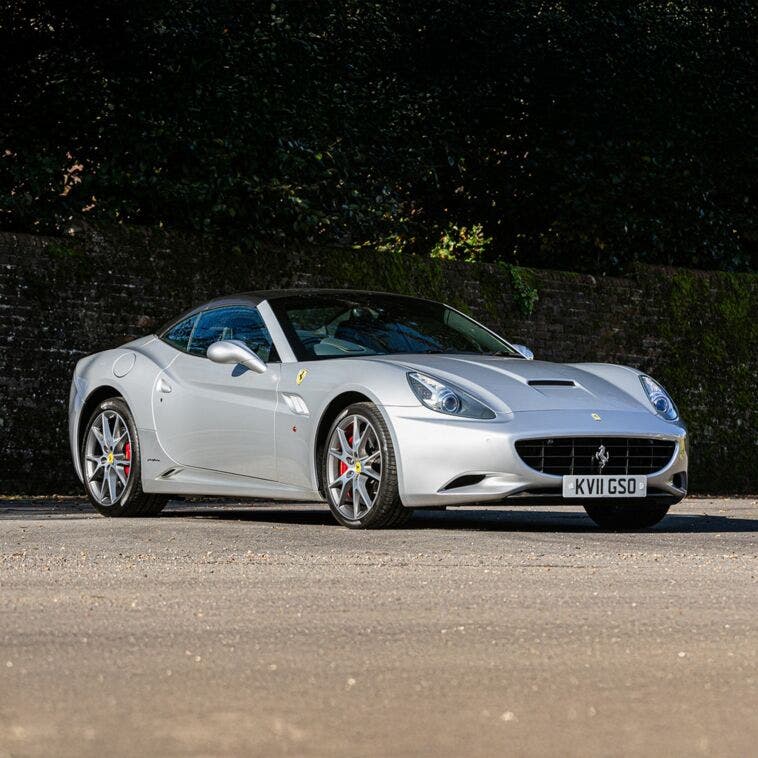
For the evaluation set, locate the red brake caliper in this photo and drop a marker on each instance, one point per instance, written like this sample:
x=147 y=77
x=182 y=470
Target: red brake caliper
x=128 y=456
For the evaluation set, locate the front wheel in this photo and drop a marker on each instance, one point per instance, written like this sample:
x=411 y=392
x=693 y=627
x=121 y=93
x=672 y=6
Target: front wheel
x=110 y=456
x=359 y=471
x=624 y=516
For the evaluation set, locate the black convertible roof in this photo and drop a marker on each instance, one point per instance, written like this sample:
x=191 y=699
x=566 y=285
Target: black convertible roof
x=260 y=295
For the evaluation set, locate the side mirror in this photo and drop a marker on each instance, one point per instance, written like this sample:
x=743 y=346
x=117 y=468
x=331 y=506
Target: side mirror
x=525 y=351
x=235 y=351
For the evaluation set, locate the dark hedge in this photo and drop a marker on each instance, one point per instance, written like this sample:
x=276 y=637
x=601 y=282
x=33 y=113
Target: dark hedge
x=579 y=135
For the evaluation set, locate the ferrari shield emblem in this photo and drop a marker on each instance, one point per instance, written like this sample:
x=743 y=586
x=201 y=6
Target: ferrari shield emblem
x=301 y=375
x=595 y=416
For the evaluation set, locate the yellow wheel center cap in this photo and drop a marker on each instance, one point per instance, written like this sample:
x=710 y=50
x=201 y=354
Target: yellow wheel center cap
x=110 y=458
x=357 y=468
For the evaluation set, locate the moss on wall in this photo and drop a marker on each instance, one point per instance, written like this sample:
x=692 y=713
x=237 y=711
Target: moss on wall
x=711 y=330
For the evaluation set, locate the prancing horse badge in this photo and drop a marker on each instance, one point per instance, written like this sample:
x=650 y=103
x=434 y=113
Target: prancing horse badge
x=301 y=375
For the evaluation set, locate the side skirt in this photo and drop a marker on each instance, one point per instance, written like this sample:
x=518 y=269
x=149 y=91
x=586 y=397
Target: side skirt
x=160 y=474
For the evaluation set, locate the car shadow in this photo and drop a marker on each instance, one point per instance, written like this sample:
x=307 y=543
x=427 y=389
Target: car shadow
x=471 y=519
x=484 y=519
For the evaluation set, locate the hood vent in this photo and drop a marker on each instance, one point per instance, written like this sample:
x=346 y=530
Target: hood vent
x=551 y=383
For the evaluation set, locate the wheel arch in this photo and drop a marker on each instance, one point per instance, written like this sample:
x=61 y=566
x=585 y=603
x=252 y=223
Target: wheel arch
x=103 y=392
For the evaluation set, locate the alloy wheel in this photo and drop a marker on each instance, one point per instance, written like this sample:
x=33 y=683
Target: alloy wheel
x=108 y=457
x=354 y=467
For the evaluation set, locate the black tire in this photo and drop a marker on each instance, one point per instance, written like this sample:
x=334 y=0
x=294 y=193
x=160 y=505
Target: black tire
x=626 y=516
x=133 y=501
x=387 y=511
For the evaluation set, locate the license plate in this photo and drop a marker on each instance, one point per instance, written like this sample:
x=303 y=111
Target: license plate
x=604 y=486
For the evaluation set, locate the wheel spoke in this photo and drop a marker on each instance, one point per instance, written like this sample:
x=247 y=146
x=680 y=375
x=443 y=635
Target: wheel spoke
x=111 y=485
x=356 y=500
x=338 y=455
x=356 y=434
x=343 y=491
x=360 y=487
x=107 y=436
x=344 y=444
x=369 y=459
x=120 y=474
x=96 y=469
x=103 y=484
x=99 y=437
x=119 y=431
x=372 y=474
x=341 y=482
x=369 y=440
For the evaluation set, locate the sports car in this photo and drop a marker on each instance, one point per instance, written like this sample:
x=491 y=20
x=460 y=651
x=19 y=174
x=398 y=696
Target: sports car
x=375 y=403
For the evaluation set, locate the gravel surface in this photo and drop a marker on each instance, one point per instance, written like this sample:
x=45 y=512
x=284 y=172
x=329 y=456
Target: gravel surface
x=237 y=629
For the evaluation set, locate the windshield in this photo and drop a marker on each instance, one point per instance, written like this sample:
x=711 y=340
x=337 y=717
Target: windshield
x=355 y=324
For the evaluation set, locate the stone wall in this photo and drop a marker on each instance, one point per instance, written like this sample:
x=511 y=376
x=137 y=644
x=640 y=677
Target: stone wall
x=62 y=298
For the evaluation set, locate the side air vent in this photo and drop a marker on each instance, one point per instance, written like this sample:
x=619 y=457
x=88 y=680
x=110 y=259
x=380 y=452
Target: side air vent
x=551 y=383
x=467 y=480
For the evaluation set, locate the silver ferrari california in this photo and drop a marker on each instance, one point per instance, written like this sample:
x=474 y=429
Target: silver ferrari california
x=375 y=403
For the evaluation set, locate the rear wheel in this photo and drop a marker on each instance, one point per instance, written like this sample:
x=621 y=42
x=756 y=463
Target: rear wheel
x=110 y=457
x=359 y=471
x=622 y=516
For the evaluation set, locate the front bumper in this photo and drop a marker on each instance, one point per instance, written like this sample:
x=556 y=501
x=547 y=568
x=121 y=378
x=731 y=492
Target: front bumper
x=434 y=451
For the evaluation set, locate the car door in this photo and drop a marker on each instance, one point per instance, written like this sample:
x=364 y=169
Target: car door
x=213 y=415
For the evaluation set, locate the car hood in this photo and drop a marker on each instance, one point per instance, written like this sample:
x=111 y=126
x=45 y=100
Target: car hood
x=525 y=385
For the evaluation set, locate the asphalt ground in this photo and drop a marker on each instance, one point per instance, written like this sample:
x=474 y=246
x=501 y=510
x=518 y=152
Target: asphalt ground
x=239 y=629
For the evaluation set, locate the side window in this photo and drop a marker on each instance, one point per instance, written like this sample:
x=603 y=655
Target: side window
x=179 y=334
x=234 y=323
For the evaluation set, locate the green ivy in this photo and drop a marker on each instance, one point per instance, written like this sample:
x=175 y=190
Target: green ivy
x=710 y=368
x=525 y=293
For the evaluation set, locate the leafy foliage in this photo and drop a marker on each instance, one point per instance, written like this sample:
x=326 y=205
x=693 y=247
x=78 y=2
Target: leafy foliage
x=461 y=243
x=525 y=294
x=585 y=136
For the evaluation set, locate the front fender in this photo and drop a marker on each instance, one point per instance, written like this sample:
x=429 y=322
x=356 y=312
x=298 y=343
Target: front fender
x=627 y=379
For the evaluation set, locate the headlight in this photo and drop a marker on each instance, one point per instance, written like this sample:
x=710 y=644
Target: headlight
x=663 y=404
x=446 y=398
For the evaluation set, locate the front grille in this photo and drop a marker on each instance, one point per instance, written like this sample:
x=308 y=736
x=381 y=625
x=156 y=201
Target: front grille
x=583 y=455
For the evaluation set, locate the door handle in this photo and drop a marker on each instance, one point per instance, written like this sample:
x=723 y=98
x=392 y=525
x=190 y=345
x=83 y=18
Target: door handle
x=163 y=386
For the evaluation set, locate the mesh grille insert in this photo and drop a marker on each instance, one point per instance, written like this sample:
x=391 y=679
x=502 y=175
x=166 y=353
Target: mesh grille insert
x=583 y=455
